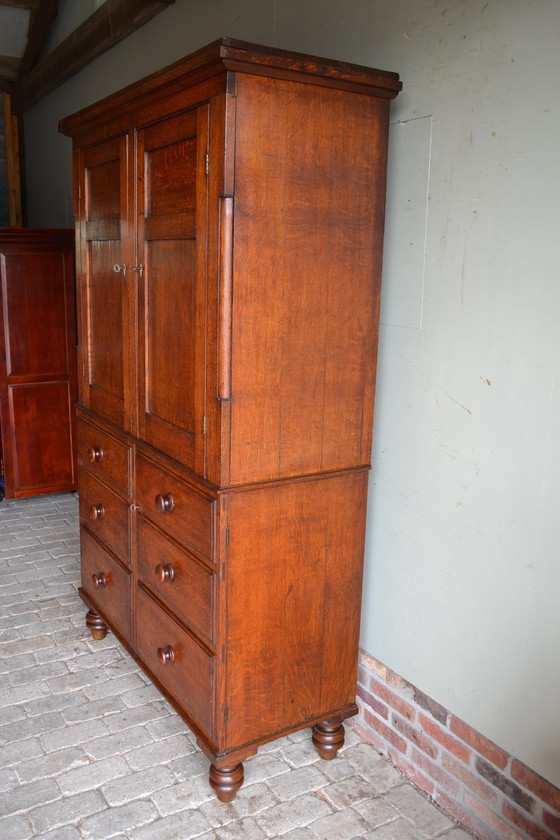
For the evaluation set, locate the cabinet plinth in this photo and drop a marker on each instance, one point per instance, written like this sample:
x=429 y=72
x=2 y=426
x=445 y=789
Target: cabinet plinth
x=229 y=227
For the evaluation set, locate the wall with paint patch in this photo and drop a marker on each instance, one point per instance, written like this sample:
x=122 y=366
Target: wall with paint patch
x=462 y=580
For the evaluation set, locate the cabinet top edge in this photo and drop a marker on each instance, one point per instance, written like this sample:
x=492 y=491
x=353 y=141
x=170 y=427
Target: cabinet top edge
x=229 y=54
x=16 y=235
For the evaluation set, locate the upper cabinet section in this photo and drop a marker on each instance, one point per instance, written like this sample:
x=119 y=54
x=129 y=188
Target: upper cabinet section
x=230 y=225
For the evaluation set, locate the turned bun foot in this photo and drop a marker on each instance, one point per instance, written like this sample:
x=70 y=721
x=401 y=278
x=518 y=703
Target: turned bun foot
x=226 y=781
x=328 y=738
x=96 y=625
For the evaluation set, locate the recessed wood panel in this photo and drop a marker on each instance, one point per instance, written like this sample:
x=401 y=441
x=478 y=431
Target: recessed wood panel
x=105 y=278
x=41 y=430
x=36 y=283
x=171 y=155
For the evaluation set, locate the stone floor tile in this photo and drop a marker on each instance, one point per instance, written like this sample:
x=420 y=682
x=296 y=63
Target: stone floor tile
x=339 y=826
x=300 y=753
x=139 y=785
x=266 y=766
x=188 y=824
x=244 y=829
x=183 y=795
x=50 y=765
x=26 y=796
x=376 y=811
x=111 y=821
x=160 y=752
x=415 y=807
x=15 y=828
x=296 y=813
x=66 y=811
x=117 y=743
x=372 y=767
x=92 y=775
x=399 y=829
x=67 y=832
x=249 y=801
x=298 y=834
x=299 y=781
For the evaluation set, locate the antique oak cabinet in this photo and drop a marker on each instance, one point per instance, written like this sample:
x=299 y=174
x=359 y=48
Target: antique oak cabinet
x=38 y=387
x=229 y=227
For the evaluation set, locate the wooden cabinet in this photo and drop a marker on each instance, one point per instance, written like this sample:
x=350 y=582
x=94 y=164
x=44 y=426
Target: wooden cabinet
x=229 y=226
x=38 y=376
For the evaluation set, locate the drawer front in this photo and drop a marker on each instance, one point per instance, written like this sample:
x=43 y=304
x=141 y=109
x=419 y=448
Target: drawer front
x=104 y=456
x=175 y=506
x=176 y=579
x=106 y=583
x=105 y=514
x=176 y=661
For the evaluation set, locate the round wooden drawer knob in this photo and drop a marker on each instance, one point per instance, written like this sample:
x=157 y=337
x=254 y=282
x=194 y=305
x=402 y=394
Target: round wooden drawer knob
x=96 y=454
x=164 y=503
x=97 y=511
x=99 y=580
x=166 y=655
x=164 y=572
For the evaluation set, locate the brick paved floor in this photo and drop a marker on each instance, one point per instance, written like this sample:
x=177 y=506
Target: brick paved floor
x=89 y=749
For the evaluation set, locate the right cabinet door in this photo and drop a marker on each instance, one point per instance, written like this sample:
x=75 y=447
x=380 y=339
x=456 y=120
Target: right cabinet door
x=172 y=255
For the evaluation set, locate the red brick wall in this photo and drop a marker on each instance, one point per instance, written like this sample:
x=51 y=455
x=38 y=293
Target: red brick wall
x=481 y=785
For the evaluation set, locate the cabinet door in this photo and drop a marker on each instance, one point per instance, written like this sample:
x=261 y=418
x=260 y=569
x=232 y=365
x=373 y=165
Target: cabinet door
x=105 y=285
x=172 y=234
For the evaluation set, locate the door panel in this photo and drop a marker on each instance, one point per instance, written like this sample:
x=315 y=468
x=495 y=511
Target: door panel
x=172 y=241
x=107 y=291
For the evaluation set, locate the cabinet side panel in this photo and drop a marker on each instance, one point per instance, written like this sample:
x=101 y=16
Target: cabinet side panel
x=309 y=207
x=294 y=572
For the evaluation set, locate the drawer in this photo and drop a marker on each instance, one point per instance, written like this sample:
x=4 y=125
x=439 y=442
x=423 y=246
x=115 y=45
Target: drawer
x=175 y=506
x=104 y=455
x=177 y=662
x=185 y=586
x=106 y=584
x=105 y=514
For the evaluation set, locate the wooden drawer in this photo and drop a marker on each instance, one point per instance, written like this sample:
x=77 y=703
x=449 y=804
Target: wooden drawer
x=104 y=456
x=175 y=506
x=185 y=586
x=181 y=666
x=106 y=583
x=105 y=514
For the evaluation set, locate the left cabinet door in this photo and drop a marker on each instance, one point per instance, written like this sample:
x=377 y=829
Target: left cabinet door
x=105 y=281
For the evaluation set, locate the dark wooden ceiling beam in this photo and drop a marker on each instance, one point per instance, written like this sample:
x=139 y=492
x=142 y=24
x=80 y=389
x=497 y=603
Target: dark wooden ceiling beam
x=108 y=25
x=22 y=4
x=37 y=35
x=8 y=72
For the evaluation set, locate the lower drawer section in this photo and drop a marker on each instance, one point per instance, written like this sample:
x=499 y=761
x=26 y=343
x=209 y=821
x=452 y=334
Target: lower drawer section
x=106 y=583
x=181 y=666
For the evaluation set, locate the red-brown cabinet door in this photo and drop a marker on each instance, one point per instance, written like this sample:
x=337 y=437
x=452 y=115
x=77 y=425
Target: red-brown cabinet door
x=172 y=236
x=106 y=282
x=37 y=361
